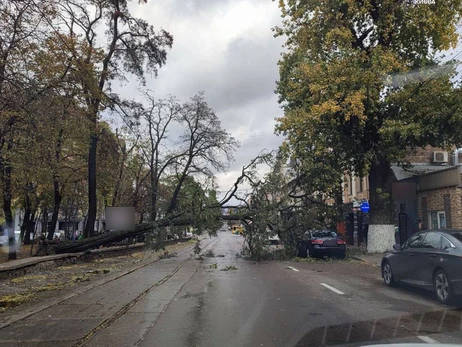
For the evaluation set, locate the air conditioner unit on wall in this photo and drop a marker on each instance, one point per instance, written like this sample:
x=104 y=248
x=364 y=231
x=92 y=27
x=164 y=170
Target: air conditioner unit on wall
x=440 y=157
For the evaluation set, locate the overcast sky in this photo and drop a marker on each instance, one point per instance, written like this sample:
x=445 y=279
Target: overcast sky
x=225 y=48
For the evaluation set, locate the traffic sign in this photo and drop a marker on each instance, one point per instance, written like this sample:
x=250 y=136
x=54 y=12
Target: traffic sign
x=365 y=207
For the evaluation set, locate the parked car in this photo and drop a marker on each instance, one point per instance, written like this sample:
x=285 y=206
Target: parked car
x=322 y=243
x=429 y=259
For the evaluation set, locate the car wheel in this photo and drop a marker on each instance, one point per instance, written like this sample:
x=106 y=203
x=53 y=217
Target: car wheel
x=387 y=274
x=443 y=287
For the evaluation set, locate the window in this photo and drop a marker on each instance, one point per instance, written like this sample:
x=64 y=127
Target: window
x=432 y=241
x=437 y=219
x=445 y=243
x=360 y=184
x=414 y=241
x=350 y=184
x=458 y=236
x=324 y=233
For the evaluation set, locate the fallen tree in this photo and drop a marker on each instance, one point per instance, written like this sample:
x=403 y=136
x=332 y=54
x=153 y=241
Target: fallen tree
x=176 y=219
x=117 y=236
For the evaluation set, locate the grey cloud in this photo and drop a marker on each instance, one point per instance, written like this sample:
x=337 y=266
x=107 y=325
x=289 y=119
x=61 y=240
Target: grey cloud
x=237 y=69
x=249 y=72
x=190 y=8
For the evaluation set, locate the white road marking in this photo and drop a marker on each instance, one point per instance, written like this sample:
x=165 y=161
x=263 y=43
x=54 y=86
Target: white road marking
x=397 y=326
x=442 y=320
x=427 y=339
x=333 y=289
x=324 y=335
x=373 y=329
x=292 y=268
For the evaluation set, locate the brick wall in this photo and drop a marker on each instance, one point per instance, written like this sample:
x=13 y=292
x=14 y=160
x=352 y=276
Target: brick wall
x=448 y=200
x=425 y=154
x=420 y=155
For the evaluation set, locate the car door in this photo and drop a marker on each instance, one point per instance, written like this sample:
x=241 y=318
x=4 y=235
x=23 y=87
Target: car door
x=407 y=260
x=430 y=255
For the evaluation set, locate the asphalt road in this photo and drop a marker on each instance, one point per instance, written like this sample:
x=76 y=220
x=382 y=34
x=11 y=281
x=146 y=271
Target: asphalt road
x=182 y=301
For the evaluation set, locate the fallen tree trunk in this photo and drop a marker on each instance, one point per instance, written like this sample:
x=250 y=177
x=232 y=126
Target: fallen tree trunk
x=111 y=237
x=117 y=236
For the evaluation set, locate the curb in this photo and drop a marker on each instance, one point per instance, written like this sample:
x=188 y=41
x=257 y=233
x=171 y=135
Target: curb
x=364 y=261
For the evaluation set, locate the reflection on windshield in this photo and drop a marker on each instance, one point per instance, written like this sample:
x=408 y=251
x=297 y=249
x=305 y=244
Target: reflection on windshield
x=445 y=321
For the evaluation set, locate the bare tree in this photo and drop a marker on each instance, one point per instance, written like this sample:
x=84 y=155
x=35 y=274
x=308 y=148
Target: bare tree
x=133 y=47
x=125 y=154
x=159 y=116
x=202 y=149
x=207 y=146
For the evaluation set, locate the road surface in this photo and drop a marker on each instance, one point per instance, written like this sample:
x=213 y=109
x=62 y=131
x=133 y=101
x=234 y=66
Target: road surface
x=183 y=301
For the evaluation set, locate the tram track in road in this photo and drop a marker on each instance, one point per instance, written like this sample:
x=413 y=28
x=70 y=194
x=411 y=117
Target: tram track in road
x=79 y=291
x=108 y=321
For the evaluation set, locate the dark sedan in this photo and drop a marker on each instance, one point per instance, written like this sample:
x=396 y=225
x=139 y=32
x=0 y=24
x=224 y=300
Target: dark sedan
x=322 y=243
x=430 y=259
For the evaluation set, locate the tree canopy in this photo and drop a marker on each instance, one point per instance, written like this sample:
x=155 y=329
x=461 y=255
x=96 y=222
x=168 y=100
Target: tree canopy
x=363 y=82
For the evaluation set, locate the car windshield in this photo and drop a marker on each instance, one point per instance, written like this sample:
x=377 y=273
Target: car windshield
x=324 y=233
x=230 y=172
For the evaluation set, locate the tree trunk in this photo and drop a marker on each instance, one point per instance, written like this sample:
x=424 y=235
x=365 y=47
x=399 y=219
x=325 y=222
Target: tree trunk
x=154 y=188
x=92 y=202
x=117 y=236
x=56 y=205
x=25 y=222
x=339 y=205
x=45 y=223
x=30 y=228
x=173 y=202
x=115 y=197
x=5 y=172
x=381 y=234
x=57 y=197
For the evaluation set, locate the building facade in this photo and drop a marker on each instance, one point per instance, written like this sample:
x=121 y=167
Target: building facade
x=429 y=190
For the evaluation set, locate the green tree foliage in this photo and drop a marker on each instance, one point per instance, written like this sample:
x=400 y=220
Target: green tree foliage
x=363 y=81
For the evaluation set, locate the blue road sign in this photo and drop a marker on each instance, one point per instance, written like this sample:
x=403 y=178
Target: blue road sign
x=365 y=207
